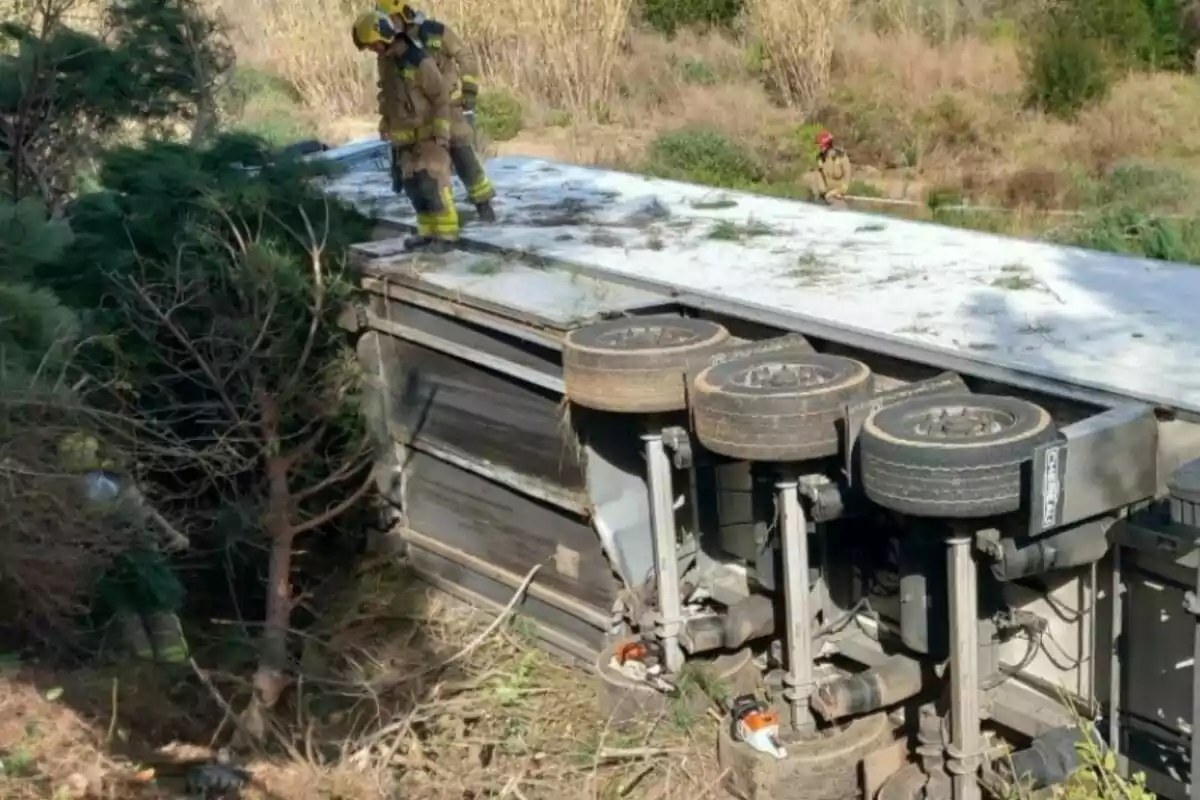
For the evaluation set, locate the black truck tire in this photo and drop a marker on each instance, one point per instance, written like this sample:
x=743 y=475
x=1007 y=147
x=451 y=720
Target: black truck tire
x=951 y=455
x=776 y=406
x=636 y=365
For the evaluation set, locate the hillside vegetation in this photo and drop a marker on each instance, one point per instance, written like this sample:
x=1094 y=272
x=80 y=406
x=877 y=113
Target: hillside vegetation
x=1020 y=104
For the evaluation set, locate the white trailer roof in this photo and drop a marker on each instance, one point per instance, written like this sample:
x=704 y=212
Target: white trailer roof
x=1121 y=325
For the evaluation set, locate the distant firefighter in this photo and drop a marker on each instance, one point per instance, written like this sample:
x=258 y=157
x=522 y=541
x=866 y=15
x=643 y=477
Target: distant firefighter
x=460 y=71
x=833 y=166
x=414 y=111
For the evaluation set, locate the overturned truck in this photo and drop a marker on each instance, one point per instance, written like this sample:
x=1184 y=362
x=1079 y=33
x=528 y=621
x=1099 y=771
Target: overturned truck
x=924 y=498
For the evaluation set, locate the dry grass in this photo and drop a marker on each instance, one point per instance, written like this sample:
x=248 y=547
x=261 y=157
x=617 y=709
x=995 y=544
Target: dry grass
x=799 y=41
x=563 y=52
x=384 y=711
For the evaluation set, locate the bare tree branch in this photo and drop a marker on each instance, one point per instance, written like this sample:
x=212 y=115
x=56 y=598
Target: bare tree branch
x=336 y=511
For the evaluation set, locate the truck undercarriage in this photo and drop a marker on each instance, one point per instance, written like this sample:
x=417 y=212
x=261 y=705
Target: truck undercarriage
x=910 y=514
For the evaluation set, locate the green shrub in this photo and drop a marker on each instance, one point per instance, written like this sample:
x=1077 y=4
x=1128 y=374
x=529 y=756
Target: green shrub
x=1066 y=66
x=1076 y=44
x=1133 y=185
x=698 y=73
x=668 y=16
x=861 y=188
x=1167 y=46
x=1136 y=233
x=558 y=118
x=267 y=105
x=704 y=156
x=1136 y=33
x=499 y=116
x=755 y=58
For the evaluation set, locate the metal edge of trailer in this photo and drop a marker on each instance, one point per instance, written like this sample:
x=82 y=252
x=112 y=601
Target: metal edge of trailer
x=890 y=346
x=418 y=294
x=519 y=372
x=363 y=254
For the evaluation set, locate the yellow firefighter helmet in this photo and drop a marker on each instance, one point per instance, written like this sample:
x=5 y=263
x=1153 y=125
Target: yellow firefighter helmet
x=373 y=28
x=398 y=8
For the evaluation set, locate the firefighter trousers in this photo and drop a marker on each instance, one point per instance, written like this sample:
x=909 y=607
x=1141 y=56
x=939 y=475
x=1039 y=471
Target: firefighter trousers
x=466 y=161
x=422 y=172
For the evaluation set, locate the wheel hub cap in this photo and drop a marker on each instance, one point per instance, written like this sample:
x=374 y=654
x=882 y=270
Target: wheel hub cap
x=647 y=336
x=783 y=376
x=963 y=423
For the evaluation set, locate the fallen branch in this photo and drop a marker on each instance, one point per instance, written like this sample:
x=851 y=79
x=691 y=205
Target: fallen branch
x=398 y=728
x=631 y=753
x=386 y=682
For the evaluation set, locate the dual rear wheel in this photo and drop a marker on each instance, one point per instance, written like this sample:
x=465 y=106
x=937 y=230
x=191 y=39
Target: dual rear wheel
x=955 y=455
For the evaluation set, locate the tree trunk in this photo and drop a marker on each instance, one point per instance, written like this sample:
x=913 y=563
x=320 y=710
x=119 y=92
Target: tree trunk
x=271 y=677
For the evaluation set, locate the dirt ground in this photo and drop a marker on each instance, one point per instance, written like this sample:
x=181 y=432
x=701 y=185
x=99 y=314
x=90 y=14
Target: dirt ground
x=404 y=692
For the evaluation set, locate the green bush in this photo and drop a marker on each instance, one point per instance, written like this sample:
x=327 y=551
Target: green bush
x=499 y=116
x=1076 y=45
x=1133 y=185
x=69 y=93
x=1135 y=233
x=697 y=72
x=1066 y=67
x=1136 y=33
x=668 y=16
x=704 y=156
x=1167 y=46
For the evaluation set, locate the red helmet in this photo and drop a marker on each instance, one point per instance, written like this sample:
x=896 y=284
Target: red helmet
x=824 y=140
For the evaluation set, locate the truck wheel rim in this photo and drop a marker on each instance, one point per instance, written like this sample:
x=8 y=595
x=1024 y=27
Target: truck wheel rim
x=783 y=376
x=639 y=337
x=962 y=422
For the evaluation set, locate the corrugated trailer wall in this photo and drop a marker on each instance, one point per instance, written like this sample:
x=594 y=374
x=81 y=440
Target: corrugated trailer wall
x=486 y=469
x=492 y=480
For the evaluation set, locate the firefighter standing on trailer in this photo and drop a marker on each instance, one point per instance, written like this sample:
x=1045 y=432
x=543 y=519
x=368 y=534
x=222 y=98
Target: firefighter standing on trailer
x=414 y=111
x=833 y=166
x=460 y=70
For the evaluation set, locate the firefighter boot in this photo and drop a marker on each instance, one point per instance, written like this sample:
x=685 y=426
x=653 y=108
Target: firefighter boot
x=485 y=211
x=133 y=634
x=166 y=635
x=427 y=244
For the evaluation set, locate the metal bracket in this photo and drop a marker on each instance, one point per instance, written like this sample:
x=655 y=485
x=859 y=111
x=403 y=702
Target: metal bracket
x=1102 y=463
x=679 y=442
x=987 y=541
x=825 y=497
x=1151 y=530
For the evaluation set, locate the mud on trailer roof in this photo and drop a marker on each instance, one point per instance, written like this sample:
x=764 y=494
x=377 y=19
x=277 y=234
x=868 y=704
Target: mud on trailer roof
x=1085 y=325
